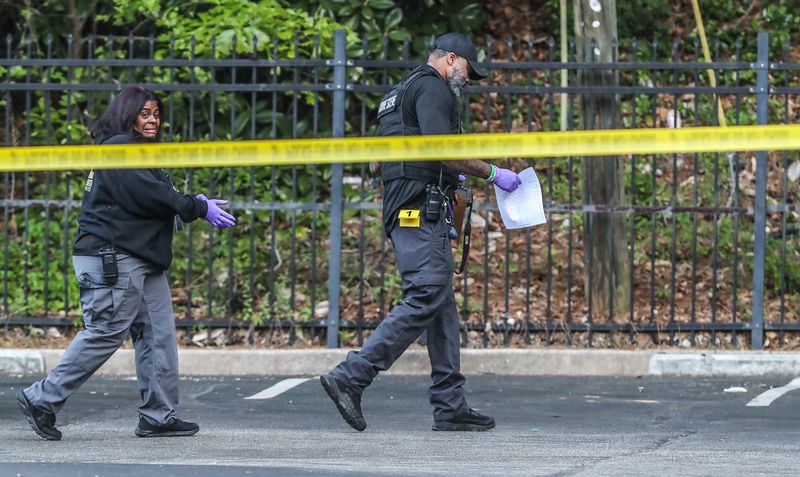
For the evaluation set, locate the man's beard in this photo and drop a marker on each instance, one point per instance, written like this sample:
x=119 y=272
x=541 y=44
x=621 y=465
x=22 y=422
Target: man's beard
x=457 y=80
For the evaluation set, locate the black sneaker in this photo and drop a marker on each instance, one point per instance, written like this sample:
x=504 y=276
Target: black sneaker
x=469 y=420
x=347 y=401
x=44 y=423
x=174 y=428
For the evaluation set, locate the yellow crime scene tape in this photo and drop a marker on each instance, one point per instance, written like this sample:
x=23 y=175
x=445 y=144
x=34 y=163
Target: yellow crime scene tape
x=396 y=148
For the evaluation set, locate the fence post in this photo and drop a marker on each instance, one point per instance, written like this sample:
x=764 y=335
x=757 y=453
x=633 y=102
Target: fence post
x=760 y=209
x=337 y=174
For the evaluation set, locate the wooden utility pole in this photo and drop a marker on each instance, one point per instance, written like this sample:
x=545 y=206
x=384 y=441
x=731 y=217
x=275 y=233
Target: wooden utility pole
x=605 y=240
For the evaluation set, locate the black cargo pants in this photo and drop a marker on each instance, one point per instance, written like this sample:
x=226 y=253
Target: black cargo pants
x=425 y=262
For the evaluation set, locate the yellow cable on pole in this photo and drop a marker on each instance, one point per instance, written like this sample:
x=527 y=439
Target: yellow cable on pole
x=707 y=56
x=290 y=152
x=564 y=59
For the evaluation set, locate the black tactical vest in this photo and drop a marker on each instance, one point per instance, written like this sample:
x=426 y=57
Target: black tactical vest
x=392 y=123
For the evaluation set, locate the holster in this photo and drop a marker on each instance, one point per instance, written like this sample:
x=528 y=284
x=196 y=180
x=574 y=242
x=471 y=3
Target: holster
x=462 y=210
x=459 y=210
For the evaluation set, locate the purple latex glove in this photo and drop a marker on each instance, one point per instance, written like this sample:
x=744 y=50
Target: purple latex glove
x=216 y=216
x=462 y=178
x=506 y=179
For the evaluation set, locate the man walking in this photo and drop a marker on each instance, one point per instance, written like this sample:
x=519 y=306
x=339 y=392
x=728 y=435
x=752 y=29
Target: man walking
x=417 y=219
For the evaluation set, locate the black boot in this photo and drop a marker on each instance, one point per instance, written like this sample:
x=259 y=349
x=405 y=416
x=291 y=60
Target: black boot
x=44 y=423
x=347 y=400
x=469 y=420
x=174 y=428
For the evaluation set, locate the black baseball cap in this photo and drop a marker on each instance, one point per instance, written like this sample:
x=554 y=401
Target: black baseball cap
x=462 y=46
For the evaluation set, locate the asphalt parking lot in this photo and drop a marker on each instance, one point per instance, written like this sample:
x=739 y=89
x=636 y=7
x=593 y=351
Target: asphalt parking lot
x=564 y=426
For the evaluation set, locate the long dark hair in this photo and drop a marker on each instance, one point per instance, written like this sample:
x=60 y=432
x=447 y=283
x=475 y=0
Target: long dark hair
x=120 y=117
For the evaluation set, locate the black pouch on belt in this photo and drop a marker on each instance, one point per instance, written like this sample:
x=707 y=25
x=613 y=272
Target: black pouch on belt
x=434 y=200
x=109 y=258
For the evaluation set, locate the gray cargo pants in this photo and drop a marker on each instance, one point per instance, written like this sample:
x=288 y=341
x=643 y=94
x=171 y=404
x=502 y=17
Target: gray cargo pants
x=425 y=263
x=139 y=304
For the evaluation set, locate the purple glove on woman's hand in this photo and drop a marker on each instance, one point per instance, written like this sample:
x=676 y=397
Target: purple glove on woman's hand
x=216 y=216
x=506 y=179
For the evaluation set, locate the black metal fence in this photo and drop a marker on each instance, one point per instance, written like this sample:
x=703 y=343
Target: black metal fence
x=712 y=238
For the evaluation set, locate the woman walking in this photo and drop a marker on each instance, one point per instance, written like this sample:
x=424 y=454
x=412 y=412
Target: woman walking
x=120 y=255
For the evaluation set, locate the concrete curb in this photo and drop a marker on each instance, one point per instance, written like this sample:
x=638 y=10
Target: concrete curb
x=725 y=364
x=21 y=361
x=513 y=362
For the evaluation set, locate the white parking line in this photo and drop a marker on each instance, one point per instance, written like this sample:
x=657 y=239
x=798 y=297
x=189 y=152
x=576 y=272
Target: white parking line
x=279 y=388
x=766 y=398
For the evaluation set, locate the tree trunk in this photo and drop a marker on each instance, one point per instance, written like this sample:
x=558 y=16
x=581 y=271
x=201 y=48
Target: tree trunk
x=77 y=20
x=605 y=240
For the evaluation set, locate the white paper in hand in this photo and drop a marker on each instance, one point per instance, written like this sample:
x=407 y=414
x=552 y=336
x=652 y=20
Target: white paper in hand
x=523 y=207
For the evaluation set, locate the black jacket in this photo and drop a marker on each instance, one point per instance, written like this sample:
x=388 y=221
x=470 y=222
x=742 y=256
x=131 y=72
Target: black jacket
x=421 y=104
x=134 y=210
x=425 y=105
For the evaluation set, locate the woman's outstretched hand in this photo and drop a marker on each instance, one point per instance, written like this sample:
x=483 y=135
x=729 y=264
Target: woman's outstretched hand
x=215 y=215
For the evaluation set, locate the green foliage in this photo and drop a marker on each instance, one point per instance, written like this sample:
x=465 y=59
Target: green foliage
x=414 y=21
x=780 y=273
x=247 y=24
x=52 y=18
x=781 y=19
x=59 y=117
x=39 y=278
x=270 y=23
x=281 y=238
